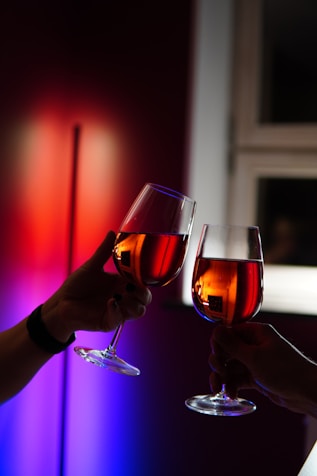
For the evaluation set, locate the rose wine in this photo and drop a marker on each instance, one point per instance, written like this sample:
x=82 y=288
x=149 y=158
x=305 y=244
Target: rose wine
x=227 y=291
x=152 y=259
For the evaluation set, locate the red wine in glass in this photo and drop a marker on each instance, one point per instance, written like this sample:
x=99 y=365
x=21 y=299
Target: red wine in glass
x=151 y=259
x=227 y=291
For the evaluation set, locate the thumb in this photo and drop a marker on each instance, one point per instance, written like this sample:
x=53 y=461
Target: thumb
x=102 y=253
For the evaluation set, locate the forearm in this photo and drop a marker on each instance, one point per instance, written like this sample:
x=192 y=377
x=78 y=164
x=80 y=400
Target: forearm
x=20 y=360
x=308 y=397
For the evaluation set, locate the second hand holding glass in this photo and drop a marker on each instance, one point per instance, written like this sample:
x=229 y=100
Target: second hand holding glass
x=227 y=288
x=150 y=250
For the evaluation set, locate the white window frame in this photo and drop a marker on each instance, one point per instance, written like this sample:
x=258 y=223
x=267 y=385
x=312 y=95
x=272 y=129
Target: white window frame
x=287 y=289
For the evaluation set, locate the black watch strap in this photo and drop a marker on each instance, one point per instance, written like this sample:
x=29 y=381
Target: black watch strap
x=40 y=335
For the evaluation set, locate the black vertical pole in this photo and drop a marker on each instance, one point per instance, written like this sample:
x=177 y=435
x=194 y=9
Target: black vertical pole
x=71 y=235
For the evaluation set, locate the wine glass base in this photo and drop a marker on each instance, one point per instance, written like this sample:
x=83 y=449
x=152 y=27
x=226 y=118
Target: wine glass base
x=220 y=405
x=108 y=360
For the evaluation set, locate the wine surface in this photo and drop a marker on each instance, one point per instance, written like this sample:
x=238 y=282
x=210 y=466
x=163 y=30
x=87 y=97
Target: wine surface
x=150 y=259
x=227 y=291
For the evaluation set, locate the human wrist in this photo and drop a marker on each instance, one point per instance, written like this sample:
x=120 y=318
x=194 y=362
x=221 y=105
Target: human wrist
x=53 y=316
x=41 y=336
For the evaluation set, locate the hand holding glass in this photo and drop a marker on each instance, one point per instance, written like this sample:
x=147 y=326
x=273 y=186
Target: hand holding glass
x=150 y=250
x=227 y=288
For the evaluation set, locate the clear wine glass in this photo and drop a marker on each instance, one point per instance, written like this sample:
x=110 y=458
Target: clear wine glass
x=150 y=249
x=227 y=288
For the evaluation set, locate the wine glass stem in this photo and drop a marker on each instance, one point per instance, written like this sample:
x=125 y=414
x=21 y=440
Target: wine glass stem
x=114 y=341
x=223 y=393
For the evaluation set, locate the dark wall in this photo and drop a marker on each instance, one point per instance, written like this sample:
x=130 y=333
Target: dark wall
x=131 y=59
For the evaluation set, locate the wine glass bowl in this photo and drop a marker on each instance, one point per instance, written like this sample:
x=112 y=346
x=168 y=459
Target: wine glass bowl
x=227 y=288
x=151 y=245
x=149 y=250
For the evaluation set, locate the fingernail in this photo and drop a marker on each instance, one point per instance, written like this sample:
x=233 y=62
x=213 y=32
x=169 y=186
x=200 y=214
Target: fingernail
x=141 y=310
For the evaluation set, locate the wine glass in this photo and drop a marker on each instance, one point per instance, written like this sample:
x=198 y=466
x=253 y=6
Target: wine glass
x=227 y=288
x=150 y=249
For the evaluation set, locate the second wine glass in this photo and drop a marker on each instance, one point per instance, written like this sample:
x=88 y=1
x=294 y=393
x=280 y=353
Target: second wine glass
x=227 y=288
x=150 y=249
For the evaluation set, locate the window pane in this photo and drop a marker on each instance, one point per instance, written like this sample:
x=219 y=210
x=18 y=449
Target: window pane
x=289 y=66
x=288 y=220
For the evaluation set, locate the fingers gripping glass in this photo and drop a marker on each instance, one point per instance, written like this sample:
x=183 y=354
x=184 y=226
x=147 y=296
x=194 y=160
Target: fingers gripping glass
x=150 y=249
x=227 y=288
